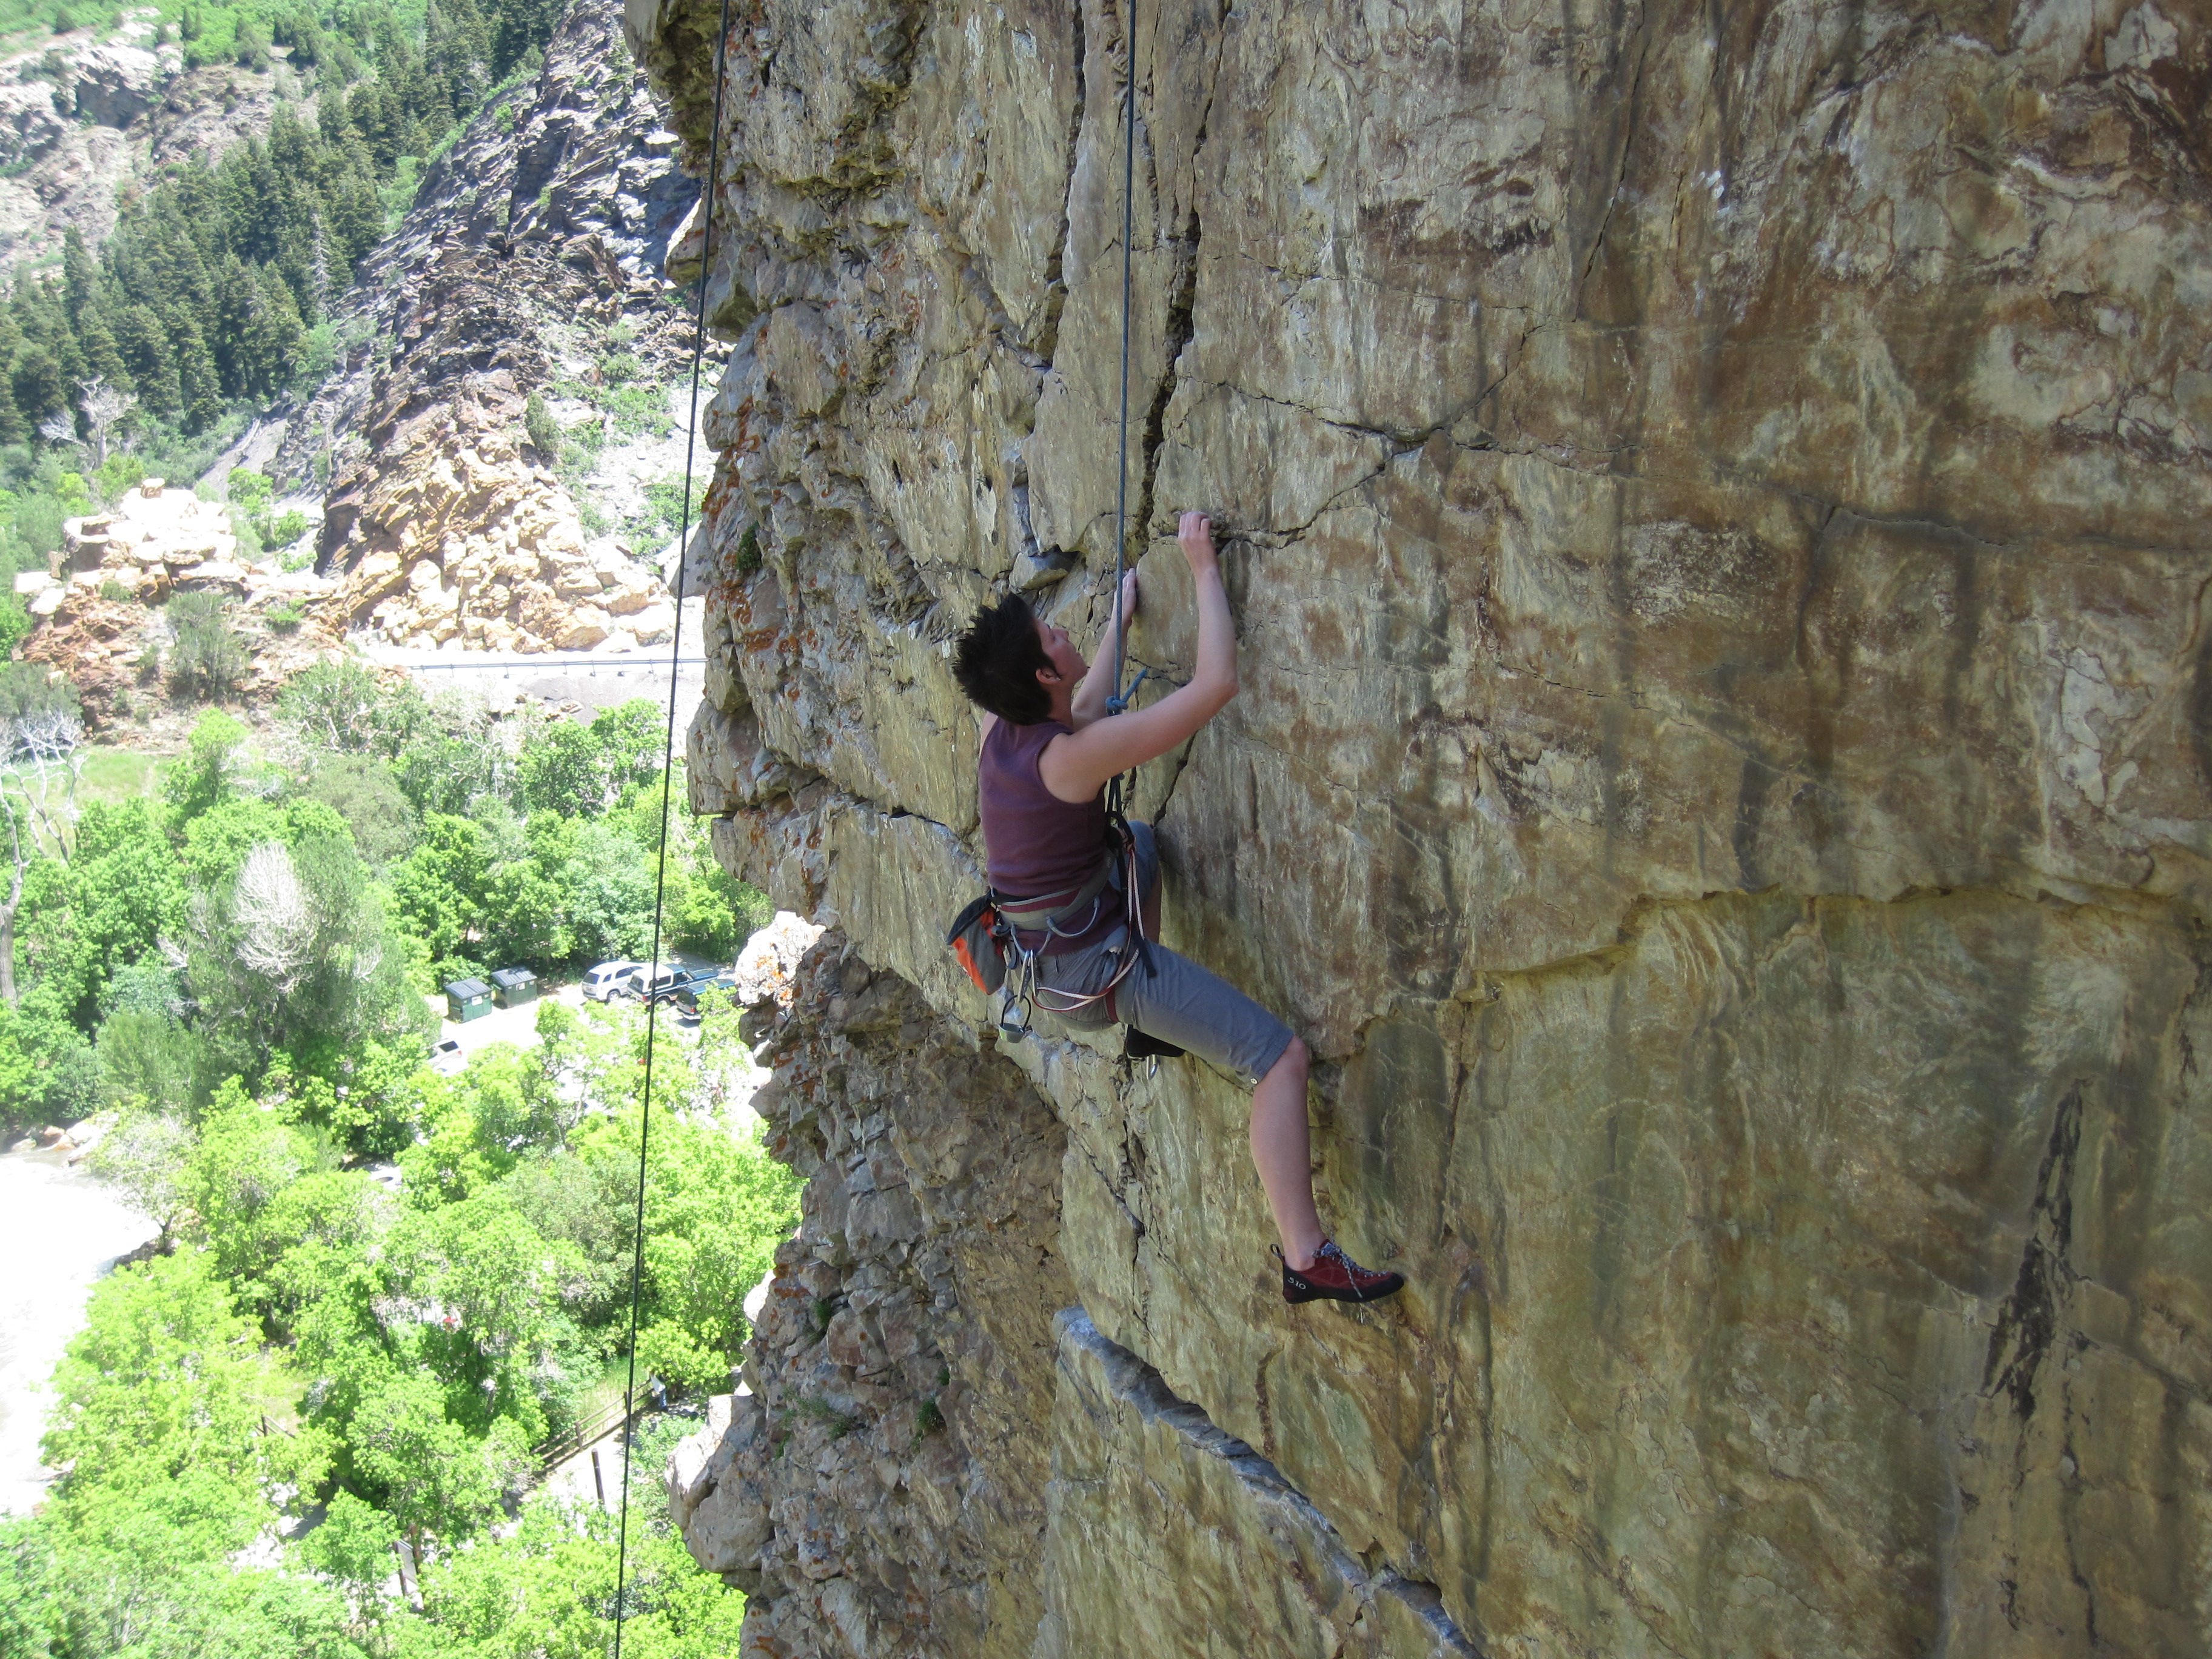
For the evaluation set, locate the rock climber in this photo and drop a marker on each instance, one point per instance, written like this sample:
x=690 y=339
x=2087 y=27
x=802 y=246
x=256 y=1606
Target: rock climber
x=1048 y=754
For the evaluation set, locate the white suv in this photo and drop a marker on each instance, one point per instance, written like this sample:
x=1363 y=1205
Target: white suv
x=610 y=980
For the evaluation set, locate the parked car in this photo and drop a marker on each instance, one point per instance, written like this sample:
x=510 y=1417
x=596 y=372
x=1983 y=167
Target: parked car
x=447 y=1060
x=688 y=993
x=666 y=983
x=610 y=980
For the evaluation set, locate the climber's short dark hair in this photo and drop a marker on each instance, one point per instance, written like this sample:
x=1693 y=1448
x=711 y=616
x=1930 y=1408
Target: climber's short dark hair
x=996 y=662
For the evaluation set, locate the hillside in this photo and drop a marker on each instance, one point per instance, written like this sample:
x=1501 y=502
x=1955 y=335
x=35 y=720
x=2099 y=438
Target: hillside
x=91 y=114
x=526 y=267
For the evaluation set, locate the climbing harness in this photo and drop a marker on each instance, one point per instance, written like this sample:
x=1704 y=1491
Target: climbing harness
x=667 y=777
x=986 y=937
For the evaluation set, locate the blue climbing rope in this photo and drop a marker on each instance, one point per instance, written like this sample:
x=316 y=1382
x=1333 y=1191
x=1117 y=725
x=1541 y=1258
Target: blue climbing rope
x=1120 y=699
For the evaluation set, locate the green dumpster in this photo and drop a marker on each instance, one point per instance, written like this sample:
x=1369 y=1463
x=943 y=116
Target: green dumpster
x=467 y=999
x=512 y=986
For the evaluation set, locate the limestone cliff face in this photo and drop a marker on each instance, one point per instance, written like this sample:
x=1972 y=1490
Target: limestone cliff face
x=1716 y=505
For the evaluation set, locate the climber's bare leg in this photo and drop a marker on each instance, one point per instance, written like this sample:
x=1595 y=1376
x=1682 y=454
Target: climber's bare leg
x=1283 y=1152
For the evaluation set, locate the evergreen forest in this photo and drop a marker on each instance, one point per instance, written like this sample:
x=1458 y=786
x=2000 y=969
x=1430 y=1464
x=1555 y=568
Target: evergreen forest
x=217 y=290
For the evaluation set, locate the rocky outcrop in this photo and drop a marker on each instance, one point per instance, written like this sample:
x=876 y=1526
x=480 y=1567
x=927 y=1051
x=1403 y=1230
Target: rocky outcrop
x=82 y=118
x=449 y=532
x=529 y=242
x=155 y=538
x=1714 y=506
x=883 y=1474
x=1155 y=1512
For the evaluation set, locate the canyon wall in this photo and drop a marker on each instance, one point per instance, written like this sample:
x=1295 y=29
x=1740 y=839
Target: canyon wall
x=530 y=258
x=1716 y=505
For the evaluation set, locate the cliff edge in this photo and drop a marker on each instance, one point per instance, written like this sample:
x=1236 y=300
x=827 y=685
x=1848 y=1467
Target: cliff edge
x=1715 y=504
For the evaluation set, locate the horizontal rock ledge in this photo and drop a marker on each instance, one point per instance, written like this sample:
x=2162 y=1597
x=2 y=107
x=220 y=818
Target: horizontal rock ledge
x=1188 y=1537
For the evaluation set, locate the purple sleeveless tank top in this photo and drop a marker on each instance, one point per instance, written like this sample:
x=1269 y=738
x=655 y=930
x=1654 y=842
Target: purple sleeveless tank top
x=1037 y=845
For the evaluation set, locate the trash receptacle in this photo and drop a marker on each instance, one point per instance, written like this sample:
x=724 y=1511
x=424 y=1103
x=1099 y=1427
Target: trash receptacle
x=467 y=999
x=514 y=987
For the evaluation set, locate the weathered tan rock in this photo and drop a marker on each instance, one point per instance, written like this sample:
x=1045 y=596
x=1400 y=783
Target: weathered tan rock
x=885 y=1475
x=654 y=624
x=586 y=626
x=518 y=234
x=1716 y=516
x=1155 y=1512
x=632 y=590
x=212 y=573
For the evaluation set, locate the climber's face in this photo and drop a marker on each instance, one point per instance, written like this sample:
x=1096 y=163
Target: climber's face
x=1066 y=661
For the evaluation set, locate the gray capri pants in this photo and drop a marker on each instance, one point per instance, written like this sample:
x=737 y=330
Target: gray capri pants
x=1179 y=1002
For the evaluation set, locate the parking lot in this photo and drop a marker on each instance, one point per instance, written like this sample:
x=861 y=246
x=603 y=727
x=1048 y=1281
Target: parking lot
x=520 y=1025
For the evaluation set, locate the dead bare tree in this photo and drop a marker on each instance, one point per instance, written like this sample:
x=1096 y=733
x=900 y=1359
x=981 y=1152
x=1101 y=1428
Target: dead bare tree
x=41 y=755
x=60 y=429
x=105 y=408
x=274 y=916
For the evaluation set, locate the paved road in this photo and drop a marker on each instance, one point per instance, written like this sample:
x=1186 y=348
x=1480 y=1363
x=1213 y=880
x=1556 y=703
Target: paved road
x=520 y=1025
x=595 y=679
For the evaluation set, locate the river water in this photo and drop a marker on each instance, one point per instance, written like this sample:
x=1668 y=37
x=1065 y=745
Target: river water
x=59 y=1231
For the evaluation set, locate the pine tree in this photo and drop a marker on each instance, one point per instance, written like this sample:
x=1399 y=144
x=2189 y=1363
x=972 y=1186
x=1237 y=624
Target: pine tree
x=39 y=387
x=102 y=356
x=199 y=383
x=145 y=348
x=78 y=272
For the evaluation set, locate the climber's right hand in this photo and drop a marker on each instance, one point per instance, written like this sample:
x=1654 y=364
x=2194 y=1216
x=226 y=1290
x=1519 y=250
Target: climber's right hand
x=1076 y=765
x=1194 y=531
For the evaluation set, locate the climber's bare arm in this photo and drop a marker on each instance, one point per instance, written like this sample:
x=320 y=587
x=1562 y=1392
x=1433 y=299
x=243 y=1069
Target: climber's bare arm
x=1098 y=685
x=1076 y=767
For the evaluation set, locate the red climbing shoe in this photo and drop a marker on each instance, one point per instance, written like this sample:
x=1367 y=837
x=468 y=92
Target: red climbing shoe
x=1335 y=1277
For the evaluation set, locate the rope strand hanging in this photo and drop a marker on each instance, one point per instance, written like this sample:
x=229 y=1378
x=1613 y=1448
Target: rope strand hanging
x=667 y=782
x=1120 y=699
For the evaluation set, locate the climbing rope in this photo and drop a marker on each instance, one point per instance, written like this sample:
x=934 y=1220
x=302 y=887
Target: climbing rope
x=1116 y=703
x=668 y=781
x=1120 y=699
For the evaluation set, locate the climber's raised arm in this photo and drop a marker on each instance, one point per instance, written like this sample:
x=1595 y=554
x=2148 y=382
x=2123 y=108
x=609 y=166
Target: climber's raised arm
x=1097 y=685
x=1076 y=767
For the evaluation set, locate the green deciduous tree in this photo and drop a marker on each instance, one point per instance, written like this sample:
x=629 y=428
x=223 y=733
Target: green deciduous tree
x=435 y=1480
x=296 y=953
x=207 y=772
x=353 y=1546
x=164 y=1379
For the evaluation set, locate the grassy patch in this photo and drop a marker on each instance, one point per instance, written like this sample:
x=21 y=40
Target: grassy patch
x=120 y=775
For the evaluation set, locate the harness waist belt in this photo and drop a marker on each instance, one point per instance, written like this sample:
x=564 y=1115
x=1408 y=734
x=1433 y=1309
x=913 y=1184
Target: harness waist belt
x=1029 y=916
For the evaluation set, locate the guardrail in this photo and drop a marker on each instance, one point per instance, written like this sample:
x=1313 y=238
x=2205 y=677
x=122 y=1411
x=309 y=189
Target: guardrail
x=562 y=1447
x=585 y=665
